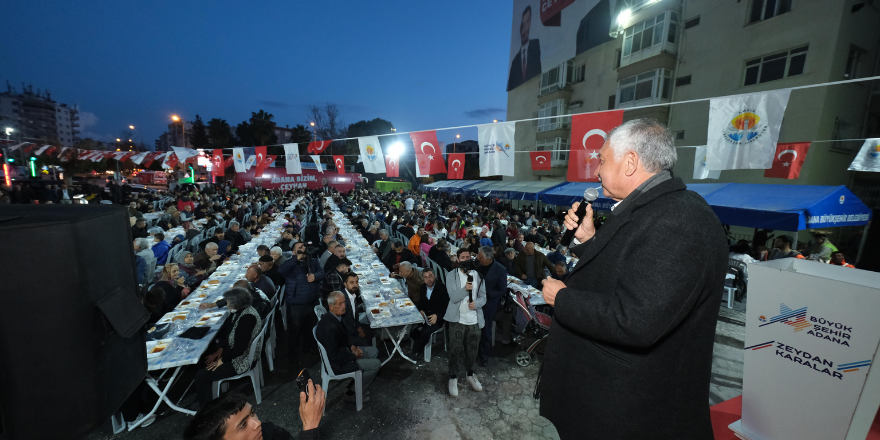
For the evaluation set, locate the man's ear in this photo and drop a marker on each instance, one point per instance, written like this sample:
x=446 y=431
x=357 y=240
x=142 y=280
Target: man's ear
x=631 y=163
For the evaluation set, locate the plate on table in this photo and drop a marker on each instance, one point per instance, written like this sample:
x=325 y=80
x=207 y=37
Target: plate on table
x=380 y=312
x=385 y=280
x=213 y=282
x=209 y=319
x=158 y=348
x=189 y=303
x=222 y=274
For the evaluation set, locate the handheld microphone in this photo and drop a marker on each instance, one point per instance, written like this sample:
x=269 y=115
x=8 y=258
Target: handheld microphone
x=470 y=279
x=590 y=195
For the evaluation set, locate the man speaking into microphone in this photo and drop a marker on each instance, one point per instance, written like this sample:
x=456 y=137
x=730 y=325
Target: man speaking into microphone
x=630 y=349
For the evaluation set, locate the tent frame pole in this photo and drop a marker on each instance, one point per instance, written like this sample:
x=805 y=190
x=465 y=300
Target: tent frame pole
x=862 y=244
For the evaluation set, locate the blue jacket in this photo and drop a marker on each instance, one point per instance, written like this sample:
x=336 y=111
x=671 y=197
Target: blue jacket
x=141 y=268
x=556 y=257
x=160 y=251
x=298 y=290
x=496 y=281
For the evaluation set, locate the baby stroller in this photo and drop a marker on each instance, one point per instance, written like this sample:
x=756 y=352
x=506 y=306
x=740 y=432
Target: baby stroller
x=537 y=326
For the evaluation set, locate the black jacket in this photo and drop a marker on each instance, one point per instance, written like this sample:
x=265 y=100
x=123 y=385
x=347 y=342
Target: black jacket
x=137 y=232
x=496 y=280
x=635 y=330
x=333 y=337
x=234 y=237
x=499 y=237
x=391 y=258
x=441 y=258
x=439 y=300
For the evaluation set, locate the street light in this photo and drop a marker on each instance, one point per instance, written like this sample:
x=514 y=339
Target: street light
x=314 y=132
x=395 y=150
x=9 y=131
x=118 y=140
x=453 y=142
x=494 y=120
x=131 y=127
x=182 y=128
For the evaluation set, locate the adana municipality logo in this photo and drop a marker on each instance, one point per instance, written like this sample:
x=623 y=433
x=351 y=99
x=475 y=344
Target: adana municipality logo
x=874 y=151
x=371 y=152
x=795 y=318
x=745 y=127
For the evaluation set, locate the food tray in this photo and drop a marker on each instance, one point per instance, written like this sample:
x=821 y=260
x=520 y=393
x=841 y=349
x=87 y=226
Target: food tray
x=383 y=312
x=158 y=348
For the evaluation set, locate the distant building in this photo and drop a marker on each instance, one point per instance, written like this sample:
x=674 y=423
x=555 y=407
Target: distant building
x=35 y=116
x=174 y=137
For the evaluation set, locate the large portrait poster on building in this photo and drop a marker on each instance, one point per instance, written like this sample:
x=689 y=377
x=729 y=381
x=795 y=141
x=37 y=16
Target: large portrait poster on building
x=546 y=33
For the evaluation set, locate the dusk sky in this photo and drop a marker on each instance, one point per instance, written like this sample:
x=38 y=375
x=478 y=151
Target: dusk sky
x=420 y=65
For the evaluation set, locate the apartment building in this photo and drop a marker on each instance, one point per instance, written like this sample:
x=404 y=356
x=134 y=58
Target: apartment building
x=35 y=116
x=666 y=51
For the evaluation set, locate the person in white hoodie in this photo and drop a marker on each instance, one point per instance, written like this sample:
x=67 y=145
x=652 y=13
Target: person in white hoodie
x=464 y=316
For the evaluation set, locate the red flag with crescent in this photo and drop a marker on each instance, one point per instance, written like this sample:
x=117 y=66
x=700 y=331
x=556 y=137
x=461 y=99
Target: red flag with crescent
x=269 y=160
x=788 y=160
x=228 y=162
x=456 y=166
x=588 y=134
x=392 y=166
x=339 y=161
x=260 y=152
x=218 y=167
x=318 y=147
x=540 y=160
x=29 y=148
x=428 y=151
x=149 y=159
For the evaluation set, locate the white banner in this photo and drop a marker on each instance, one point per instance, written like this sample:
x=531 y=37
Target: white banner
x=371 y=153
x=167 y=158
x=42 y=149
x=317 y=160
x=238 y=160
x=744 y=129
x=251 y=160
x=184 y=153
x=291 y=155
x=868 y=158
x=97 y=156
x=497 y=149
x=700 y=171
x=138 y=158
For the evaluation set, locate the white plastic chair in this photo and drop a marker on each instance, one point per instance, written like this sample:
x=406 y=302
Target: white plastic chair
x=432 y=342
x=255 y=373
x=327 y=375
x=283 y=307
x=320 y=311
x=269 y=349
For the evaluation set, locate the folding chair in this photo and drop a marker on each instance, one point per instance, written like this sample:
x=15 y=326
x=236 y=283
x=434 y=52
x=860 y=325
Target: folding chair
x=255 y=373
x=269 y=349
x=432 y=342
x=327 y=375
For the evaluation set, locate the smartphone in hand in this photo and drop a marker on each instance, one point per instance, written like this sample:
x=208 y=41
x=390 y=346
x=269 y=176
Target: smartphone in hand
x=302 y=380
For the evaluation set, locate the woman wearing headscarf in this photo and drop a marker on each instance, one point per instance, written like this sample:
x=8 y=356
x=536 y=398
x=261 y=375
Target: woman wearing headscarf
x=177 y=240
x=192 y=274
x=425 y=246
x=224 y=247
x=233 y=342
x=173 y=284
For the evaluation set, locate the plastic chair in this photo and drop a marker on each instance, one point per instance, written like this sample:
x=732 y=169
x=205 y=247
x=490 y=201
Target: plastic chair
x=269 y=349
x=255 y=373
x=432 y=342
x=283 y=307
x=327 y=375
x=320 y=311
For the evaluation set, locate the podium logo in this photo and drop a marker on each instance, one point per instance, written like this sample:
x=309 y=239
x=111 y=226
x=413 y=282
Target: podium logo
x=794 y=318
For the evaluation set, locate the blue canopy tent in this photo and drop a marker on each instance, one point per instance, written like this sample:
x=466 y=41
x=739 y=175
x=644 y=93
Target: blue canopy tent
x=523 y=190
x=778 y=207
x=449 y=186
x=483 y=188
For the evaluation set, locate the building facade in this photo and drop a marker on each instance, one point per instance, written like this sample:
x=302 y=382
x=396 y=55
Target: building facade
x=174 y=137
x=670 y=51
x=35 y=117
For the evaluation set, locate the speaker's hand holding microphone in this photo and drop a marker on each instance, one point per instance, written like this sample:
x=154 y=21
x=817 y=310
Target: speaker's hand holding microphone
x=579 y=219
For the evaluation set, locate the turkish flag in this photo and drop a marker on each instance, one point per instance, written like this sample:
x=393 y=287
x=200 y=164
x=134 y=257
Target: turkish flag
x=317 y=147
x=540 y=160
x=339 y=161
x=228 y=162
x=267 y=162
x=428 y=152
x=171 y=161
x=456 y=166
x=126 y=156
x=29 y=148
x=392 y=167
x=218 y=167
x=50 y=150
x=260 y=152
x=588 y=134
x=582 y=166
x=788 y=160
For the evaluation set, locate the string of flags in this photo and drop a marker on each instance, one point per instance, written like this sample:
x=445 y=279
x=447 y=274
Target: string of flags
x=743 y=133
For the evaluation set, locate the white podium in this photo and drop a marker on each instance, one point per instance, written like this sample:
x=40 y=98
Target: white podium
x=812 y=333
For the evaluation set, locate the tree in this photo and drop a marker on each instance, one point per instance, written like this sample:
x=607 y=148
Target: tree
x=301 y=134
x=220 y=134
x=328 y=124
x=198 y=134
x=263 y=128
x=370 y=128
x=243 y=134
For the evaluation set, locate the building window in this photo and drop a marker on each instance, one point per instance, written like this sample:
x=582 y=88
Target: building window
x=559 y=148
x=644 y=86
x=579 y=73
x=682 y=81
x=679 y=135
x=777 y=66
x=648 y=34
x=556 y=78
x=843 y=130
x=854 y=62
x=611 y=100
x=546 y=110
x=764 y=9
x=692 y=22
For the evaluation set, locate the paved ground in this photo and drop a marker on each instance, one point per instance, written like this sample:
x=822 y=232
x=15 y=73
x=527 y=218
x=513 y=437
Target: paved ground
x=410 y=402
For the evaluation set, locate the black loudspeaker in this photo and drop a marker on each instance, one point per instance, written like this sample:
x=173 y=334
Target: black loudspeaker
x=71 y=321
